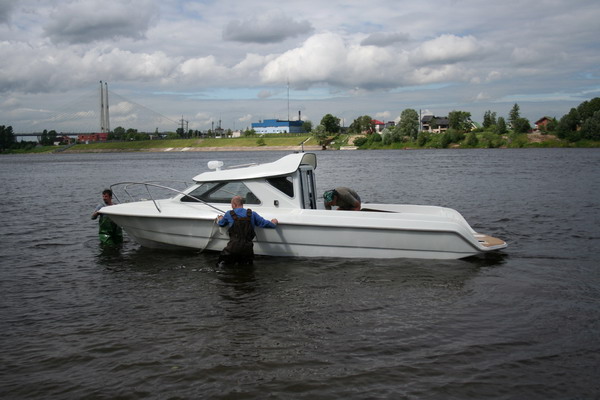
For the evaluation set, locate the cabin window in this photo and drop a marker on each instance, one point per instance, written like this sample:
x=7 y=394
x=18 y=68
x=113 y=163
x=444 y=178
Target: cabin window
x=222 y=192
x=283 y=184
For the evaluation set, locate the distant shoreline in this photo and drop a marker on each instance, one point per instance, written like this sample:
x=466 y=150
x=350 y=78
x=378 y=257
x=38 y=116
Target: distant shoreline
x=182 y=146
x=195 y=149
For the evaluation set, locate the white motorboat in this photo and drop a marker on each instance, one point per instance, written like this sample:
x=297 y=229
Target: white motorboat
x=285 y=189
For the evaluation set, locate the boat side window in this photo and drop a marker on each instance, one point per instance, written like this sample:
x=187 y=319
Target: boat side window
x=283 y=184
x=222 y=192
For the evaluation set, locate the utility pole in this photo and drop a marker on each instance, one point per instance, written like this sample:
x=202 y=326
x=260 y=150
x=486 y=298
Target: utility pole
x=106 y=118
x=184 y=130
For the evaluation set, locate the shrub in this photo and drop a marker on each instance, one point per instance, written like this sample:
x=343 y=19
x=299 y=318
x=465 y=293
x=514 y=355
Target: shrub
x=472 y=140
x=359 y=141
x=423 y=138
x=387 y=139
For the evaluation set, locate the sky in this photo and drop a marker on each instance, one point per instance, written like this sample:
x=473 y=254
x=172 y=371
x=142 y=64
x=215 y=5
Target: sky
x=240 y=62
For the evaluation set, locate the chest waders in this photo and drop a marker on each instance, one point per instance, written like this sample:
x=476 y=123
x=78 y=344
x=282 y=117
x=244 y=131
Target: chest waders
x=240 y=248
x=109 y=232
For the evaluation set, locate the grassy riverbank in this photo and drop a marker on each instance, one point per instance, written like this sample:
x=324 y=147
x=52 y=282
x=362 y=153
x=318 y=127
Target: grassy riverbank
x=305 y=142
x=229 y=144
x=478 y=141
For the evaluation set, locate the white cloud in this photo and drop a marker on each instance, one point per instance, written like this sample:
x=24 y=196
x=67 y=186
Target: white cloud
x=385 y=39
x=525 y=56
x=448 y=49
x=86 y=21
x=340 y=58
x=327 y=58
x=384 y=115
x=271 y=27
x=201 y=69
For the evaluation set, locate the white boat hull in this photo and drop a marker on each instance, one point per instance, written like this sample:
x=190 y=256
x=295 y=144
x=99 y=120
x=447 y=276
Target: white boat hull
x=416 y=232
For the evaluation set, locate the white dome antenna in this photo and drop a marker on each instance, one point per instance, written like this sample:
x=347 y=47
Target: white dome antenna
x=216 y=165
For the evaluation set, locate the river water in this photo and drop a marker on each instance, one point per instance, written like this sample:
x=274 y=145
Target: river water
x=79 y=321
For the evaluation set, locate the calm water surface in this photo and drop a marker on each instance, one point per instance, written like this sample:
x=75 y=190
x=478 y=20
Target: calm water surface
x=79 y=321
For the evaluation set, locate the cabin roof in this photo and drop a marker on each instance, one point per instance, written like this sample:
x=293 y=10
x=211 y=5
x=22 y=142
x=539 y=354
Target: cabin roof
x=284 y=166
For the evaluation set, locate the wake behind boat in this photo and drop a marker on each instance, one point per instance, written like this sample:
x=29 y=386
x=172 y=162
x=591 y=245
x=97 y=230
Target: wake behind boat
x=286 y=189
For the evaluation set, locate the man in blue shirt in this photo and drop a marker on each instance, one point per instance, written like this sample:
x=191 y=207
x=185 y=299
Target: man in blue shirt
x=242 y=222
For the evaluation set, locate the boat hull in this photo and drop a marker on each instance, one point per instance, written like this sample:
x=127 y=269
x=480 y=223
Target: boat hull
x=319 y=233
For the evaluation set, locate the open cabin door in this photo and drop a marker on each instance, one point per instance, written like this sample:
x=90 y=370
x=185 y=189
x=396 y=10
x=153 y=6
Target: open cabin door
x=308 y=187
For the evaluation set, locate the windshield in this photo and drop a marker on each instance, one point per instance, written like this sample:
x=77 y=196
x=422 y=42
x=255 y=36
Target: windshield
x=222 y=192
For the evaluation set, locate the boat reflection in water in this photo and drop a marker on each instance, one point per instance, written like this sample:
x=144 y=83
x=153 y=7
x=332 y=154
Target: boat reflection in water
x=285 y=189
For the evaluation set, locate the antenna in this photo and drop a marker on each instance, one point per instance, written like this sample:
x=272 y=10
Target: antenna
x=102 y=127
x=106 y=117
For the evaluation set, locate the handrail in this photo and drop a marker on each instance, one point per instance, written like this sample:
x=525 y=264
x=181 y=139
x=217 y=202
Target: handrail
x=147 y=184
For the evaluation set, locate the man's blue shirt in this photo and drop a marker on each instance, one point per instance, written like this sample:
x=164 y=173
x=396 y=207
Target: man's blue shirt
x=255 y=220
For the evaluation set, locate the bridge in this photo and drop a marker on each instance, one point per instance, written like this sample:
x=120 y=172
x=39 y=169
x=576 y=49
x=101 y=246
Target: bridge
x=90 y=113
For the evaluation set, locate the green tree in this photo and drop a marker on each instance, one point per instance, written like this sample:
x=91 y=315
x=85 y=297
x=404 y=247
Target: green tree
x=501 y=126
x=330 y=123
x=455 y=136
x=514 y=115
x=307 y=126
x=7 y=137
x=48 y=138
x=590 y=129
x=320 y=134
x=363 y=124
x=472 y=140
x=44 y=137
x=118 y=133
x=588 y=108
x=489 y=119
x=459 y=120
x=423 y=138
x=409 y=124
x=521 y=125
x=490 y=140
x=567 y=126
x=375 y=138
x=387 y=137
x=359 y=141
x=445 y=140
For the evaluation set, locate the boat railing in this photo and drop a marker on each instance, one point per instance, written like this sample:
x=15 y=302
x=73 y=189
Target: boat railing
x=127 y=187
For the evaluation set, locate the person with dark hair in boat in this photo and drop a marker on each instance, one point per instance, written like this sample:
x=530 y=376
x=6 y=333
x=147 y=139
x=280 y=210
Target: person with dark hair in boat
x=109 y=232
x=343 y=198
x=241 y=222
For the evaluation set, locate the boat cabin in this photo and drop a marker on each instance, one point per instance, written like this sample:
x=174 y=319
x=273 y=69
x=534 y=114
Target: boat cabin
x=286 y=183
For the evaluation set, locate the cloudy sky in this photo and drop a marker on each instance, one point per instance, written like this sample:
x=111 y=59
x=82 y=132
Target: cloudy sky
x=233 y=61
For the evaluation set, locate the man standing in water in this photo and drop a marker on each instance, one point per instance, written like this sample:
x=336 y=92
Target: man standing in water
x=109 y=232
x=242 y=222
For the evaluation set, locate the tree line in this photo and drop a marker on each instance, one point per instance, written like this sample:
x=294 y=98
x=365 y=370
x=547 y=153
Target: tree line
x=581 y=123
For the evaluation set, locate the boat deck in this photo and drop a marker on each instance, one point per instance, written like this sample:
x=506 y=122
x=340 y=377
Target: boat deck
x=489 y=241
